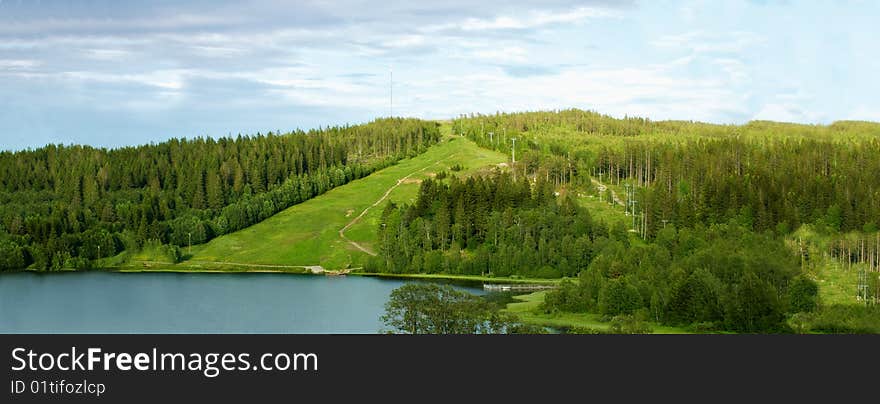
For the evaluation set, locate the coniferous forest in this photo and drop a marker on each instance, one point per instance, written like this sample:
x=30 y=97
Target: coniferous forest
x=726 y=226
x=704 y=227
x=65 y=206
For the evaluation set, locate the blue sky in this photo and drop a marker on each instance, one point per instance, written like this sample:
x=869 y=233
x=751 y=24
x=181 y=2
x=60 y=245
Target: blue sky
x=113 y=73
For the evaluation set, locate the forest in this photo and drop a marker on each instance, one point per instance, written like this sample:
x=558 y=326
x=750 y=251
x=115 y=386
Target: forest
x=66 y=206
x=765 y=176
x=710 y=228
x=730 y=223
x=493 y=225
x=722 y=277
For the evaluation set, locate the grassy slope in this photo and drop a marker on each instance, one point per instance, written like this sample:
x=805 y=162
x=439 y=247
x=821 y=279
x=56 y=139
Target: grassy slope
x=838 y=283
x=308 y=233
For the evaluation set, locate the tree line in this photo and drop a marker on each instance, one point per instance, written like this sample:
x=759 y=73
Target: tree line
x=720 y=277
x=766 y=180
x=65 y=206
x=488 y=225
x=716 y=277
x=765 y=175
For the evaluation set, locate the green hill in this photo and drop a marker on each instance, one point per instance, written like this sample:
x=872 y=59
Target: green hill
x=308 y=234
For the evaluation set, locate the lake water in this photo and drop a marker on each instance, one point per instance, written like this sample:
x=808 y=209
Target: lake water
x=108 y=302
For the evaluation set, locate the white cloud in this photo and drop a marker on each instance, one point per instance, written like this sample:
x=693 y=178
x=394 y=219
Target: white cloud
x=164 y=79
x=217 y=51
x=735 y=69
x=503 y=55
x=786 y=112
x=18 y=64
x=449 y=58
x=865 y=113
x=107 y=55
x=644 y=91
x=405 y=41
x=706 y=42
x=169 y=22
x=534 y=19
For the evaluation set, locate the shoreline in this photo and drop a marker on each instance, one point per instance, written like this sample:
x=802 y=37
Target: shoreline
x=170 y=268
x=454 y=277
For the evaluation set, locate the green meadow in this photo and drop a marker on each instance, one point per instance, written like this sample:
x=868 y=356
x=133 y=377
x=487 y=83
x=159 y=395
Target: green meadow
x=308 y=234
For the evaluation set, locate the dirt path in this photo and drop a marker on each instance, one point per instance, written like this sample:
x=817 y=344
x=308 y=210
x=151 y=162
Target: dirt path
x=602 y=188
x=317 y=269
x=388 y=192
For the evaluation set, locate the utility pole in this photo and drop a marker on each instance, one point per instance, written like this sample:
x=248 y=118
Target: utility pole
x=190 y=235
x=863 y=285
x=513 y=151
x=633 y=213
x=631 y=203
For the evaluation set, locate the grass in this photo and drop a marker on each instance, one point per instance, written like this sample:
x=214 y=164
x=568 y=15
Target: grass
x=151 y=266
x=308 y=233
x=601 y=210
x=838 y=284
x=527 y=310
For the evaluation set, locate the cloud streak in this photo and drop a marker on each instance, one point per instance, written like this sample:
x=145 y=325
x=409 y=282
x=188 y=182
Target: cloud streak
x=211 y=67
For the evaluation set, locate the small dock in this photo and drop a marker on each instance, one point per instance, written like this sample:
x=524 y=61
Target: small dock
x=516 y=287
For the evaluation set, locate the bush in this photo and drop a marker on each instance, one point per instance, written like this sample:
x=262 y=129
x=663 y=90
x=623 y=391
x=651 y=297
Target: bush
x=619 y=297
x=519 y=328
x=11 y=256
x=548 y=272
x=583 y=330
x=803 y=295
x=706 y=327
x=800 y=323
x=841 y=319
x=172 y=253
x=630 y=324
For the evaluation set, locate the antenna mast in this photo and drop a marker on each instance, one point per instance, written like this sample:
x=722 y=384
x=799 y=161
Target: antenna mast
x=391 y=88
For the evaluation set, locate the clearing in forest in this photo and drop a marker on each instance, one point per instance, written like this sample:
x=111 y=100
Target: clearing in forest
x=322 y=231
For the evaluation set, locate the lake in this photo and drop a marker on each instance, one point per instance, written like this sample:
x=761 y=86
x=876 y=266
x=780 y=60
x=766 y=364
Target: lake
x=111 y=302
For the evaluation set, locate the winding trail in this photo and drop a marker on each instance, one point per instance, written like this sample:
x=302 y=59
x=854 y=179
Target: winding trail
x=388 y=192
x=317 y=269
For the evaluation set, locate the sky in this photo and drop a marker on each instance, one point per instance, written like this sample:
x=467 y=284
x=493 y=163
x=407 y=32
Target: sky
x=114 y=73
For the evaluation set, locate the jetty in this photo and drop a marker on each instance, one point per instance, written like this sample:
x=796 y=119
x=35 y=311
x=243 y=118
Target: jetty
x=516 y=287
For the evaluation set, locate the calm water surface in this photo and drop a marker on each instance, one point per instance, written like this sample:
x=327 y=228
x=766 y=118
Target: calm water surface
x=107 y=302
